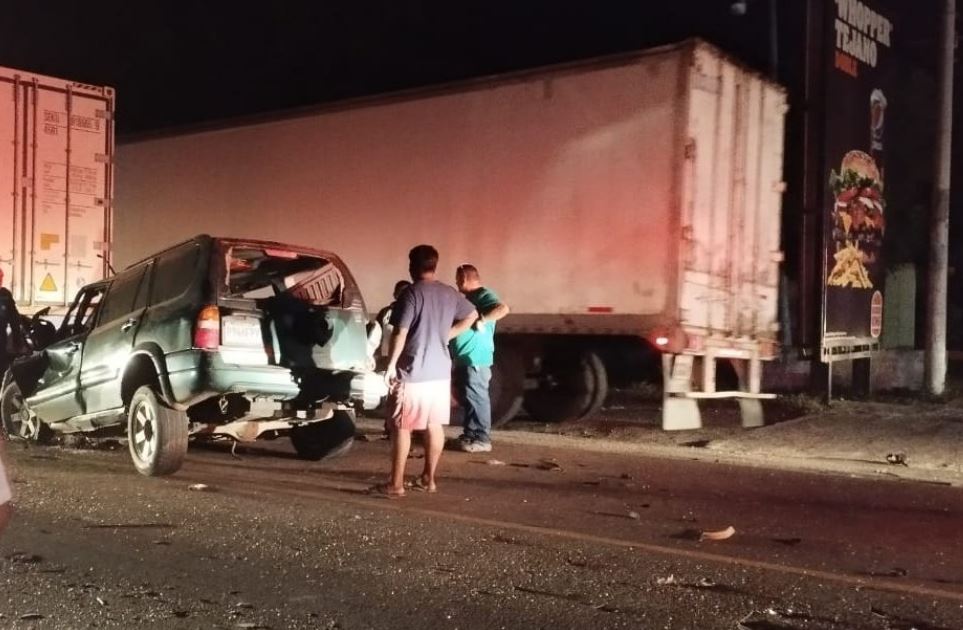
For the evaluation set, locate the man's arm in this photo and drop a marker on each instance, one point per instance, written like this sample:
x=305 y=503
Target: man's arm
x=461 y=325
x=494 y=313
x=396 y=345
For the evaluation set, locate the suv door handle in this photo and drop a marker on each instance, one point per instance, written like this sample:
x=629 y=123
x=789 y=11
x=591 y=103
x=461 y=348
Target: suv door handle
x=130 y=323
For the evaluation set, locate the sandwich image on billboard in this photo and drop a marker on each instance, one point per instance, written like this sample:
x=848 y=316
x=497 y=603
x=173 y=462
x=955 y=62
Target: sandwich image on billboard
x=858 y=223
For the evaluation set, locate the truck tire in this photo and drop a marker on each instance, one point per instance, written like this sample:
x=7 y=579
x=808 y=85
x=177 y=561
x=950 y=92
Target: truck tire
x=156 y=434
x=19 y=421
x=569 y=388
x=325 y=439
x=507 y=386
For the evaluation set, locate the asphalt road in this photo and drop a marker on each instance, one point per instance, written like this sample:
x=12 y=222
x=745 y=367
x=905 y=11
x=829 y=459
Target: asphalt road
x=545 y=536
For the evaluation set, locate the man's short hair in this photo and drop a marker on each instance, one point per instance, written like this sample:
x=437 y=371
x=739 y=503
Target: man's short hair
x=423 y=259
x=400 y=286
x=468 y=271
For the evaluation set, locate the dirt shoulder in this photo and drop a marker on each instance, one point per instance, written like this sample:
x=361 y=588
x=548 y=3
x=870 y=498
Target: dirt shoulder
x=905 y=439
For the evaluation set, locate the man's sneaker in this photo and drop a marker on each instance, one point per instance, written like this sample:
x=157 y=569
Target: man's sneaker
x=477 y=447
x=457 y=444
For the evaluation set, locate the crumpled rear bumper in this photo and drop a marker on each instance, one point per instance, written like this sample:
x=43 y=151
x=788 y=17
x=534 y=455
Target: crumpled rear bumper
x=200 y=377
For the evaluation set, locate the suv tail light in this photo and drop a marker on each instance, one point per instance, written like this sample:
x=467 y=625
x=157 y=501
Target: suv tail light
x=207 y=330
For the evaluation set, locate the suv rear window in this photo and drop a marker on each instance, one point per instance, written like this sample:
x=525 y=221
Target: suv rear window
x=259 y=272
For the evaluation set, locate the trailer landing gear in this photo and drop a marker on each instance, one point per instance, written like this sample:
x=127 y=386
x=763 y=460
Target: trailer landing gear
x=680 y=404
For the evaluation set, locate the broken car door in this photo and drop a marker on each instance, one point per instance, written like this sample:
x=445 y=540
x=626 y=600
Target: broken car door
x=57 y=395
x=108 y=346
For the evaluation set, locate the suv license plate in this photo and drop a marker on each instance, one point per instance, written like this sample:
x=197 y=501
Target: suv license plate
x=241 y=331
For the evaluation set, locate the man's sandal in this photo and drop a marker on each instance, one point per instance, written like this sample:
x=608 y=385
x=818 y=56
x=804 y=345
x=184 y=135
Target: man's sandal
x=385 y=491
x=419 y=485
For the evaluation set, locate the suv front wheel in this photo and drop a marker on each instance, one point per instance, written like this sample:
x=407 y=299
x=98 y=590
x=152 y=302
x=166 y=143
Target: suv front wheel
x=19 y=421
x=156 y=434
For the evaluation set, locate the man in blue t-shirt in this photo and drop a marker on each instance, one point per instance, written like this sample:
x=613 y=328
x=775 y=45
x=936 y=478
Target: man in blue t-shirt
x=473 y=354
x=425 y=317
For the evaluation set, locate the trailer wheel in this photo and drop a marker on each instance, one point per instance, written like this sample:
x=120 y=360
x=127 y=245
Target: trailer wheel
x=325 y=439
x=19 y=420
x=569 y=388
x=507 y=385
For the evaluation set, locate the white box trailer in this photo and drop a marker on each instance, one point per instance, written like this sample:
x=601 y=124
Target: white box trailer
x=623 y=204
x=56 y=182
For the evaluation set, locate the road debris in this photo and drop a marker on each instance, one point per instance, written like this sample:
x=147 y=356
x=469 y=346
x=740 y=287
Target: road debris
x=495 y=462
x=895 y=622
x=128 y=526
x=101 y=601
x=696 y=443
x=722 y=534
x=199 y=487
x=665 y=581
x=688 y=534
x=19 y=557
x=784 y=618
x=896 y=459
x=31 y=616
x=549 y=464
x=633 y=515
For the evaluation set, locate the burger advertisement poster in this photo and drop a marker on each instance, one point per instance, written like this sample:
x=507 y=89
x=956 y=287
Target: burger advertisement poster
x=857 y=93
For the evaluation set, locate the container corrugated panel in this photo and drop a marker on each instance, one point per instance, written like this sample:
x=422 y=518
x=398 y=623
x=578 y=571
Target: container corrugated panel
x=568 y=187
x=56 y=151
x=732 y=196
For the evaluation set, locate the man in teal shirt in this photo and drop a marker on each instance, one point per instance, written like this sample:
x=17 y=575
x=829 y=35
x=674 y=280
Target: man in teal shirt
x=473 y=354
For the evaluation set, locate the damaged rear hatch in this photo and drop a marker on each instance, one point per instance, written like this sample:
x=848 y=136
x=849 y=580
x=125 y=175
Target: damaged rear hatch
x=294 y=308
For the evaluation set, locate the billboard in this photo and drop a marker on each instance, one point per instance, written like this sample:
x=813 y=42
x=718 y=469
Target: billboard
x=861 y=69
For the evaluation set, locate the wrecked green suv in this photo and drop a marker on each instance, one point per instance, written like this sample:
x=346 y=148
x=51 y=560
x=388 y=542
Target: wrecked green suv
x=213 y=338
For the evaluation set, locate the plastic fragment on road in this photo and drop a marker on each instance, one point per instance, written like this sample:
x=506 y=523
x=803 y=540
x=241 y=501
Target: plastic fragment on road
x=896 y=459
x=496 y=462
x=31 y=616
x=549 y=464
x=199 y=487
x=665 y=581
x=633 y=515
x=722 y=534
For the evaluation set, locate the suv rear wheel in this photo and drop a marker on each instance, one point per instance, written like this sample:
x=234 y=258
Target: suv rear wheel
x=328 y=438
x=156 y=434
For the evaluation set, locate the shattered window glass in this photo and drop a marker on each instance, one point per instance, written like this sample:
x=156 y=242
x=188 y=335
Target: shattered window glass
x=258 y=273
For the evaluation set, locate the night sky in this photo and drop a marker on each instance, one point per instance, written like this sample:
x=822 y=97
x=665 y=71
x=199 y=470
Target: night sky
x=177 y=63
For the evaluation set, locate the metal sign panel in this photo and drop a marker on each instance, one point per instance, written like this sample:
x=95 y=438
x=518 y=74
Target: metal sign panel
x=861 y=80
